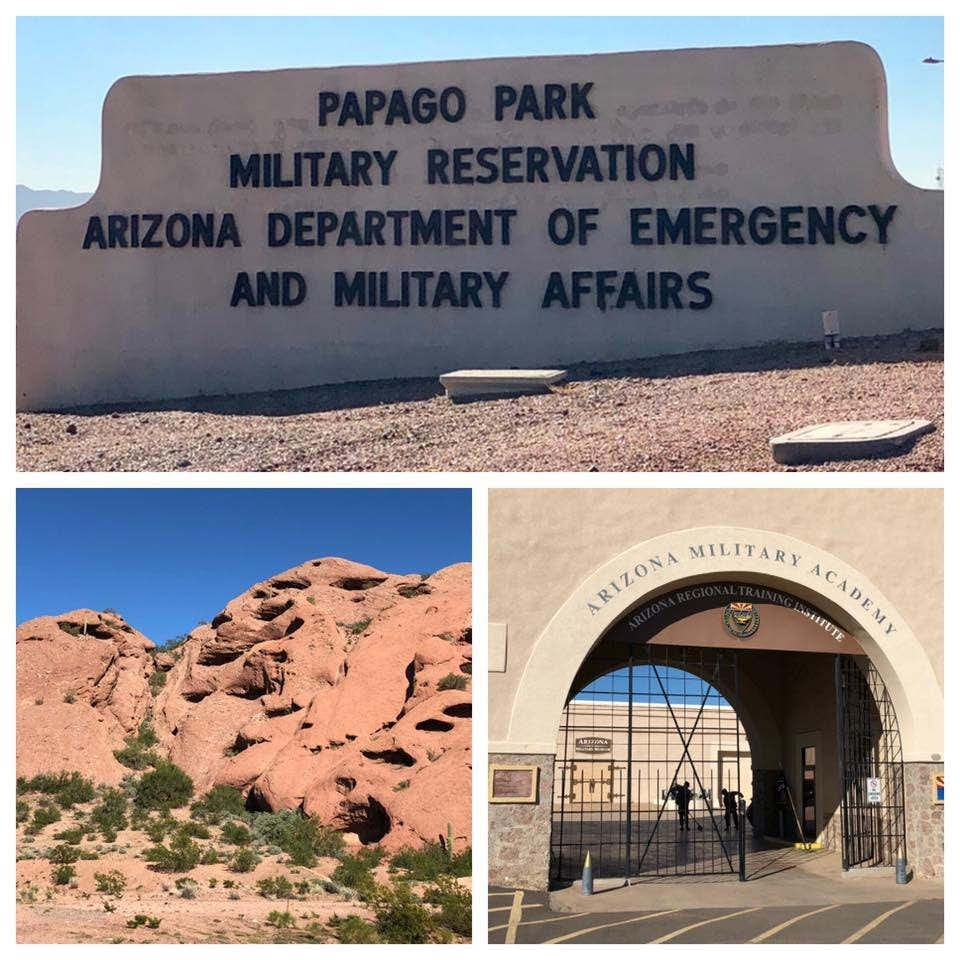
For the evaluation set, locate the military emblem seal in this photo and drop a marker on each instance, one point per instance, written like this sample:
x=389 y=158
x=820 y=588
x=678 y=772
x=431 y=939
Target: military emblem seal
x=741 y=619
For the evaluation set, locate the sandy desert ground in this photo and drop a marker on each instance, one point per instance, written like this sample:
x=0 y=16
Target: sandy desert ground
x=711 y=411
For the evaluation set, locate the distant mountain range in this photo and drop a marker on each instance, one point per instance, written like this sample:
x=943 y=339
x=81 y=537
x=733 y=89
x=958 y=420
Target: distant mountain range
x=28 y=199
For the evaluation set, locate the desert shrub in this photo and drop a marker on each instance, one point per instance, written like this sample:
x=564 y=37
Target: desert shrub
x=23 y=811
x=112 y=883
x=400 y=918
x=356 y=870
x=432 y=861
x=452 y=681
x=306 y=839
x=63 y=874
x=244 y=860
x=210 y=855
x=156 y=681
x=69 y=697
x=280 y=920
x=182 y=855
x=110 y=815
x=235 y=833
x=93 y=855
x=73 y=837
x=137 y=754
x=156 y=828
x=43 y=816
x=146 y=735
x=187 y=888
x=409 y=591
x=75 y=789
x=456 y=905
x=402 y=785
x=279 y=887
x=63 y=853
x=28 y=893
x=23 y=786
x=273 y=828
x=142 y=920
x=357 y=627
x=218 y=804
x=354 y=929
x=192 y=829
x=164 y=787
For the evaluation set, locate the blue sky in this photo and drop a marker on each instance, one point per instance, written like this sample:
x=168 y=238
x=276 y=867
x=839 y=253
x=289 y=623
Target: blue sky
x=167 y=559
x=684 y=689
x=66 y=65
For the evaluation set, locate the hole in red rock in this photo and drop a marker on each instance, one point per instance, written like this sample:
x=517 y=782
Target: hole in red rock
x=369 y=821
x=345 y=784
x=409 y=590
x=217 y=656
x=221 y=618
x=397 y=757
x=411 y=675
x=293 y=583
x=195 y=696
x=271 y=610
x=89 y=629
x=283 y=711
x=459 y=710
x=261 y=594
x=466 y=636
x=358 y=583
x=434 y=726
x=295 y=624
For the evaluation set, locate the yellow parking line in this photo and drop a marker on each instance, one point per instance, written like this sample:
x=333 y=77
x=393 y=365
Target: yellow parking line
x=516 y=912
x=864 y=930
x=767 y=934
x=605 y=926
x=531 y=923
x=703 y=923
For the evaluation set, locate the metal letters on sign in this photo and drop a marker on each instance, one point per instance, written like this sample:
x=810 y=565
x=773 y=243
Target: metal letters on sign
x=594 y=744
x=873 y=790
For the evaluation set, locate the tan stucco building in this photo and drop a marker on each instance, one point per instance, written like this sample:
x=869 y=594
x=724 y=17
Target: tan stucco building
x=815 y=616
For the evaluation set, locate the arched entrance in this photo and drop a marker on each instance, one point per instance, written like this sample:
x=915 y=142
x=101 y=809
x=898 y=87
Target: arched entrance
x=553 y=672
x=654 y=767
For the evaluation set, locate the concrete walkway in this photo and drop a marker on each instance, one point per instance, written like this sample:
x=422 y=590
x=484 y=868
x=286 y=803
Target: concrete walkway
x=777 y=876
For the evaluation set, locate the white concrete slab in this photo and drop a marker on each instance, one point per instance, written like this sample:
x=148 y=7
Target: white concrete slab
x=475 y=384
x=848 y=440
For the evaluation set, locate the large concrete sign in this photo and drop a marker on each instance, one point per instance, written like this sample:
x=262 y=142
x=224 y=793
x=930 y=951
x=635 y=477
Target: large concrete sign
x=256 y=231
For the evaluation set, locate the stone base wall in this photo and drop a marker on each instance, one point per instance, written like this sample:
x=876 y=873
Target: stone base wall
x=519 y=840
x=924 y=820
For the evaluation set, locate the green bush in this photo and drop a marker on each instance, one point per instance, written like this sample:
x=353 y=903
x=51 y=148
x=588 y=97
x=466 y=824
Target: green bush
x=181 y=856
x=356 y=870
x=357 y=627
x=244 y=861
x=432 y=861
x=164 y=787
x=23 y=811
x=112 y=883
x=73 y=837
x=75 y=789
x=354 y=929
x=218 y=804
x=210 y=856
x=63 y=853
x=279 y=887
x=63 y=874
x=43 y=816
x=156 y=681
x=280 y=920
x=305 y=840
x=273 y=828
x=156 y=828
x=110 y=815
x=452 y=681
x=137 y=754
x=192 y=829
x=235 y=833
x=400 y=918
x=456 y=905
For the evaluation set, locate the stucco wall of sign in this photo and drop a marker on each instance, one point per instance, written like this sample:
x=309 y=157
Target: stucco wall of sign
x=522 y=212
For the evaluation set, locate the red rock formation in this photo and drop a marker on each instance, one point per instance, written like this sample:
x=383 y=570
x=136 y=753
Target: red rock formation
x=318 y=688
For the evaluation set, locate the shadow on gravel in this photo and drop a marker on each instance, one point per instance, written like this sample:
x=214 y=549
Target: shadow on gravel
x=920 y=346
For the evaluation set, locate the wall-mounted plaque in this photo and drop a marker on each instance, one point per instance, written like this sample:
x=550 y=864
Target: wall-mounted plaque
x=513 y=784
x=937 y=784
x=594 y=745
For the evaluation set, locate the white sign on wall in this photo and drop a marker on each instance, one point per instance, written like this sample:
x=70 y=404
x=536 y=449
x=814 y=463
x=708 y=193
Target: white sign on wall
x=263 y=230
x=873 y=790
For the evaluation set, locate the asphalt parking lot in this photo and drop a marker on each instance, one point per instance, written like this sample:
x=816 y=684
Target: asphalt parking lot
x=522 y=916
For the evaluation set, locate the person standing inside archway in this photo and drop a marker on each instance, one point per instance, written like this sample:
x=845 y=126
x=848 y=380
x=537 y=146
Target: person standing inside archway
x=730 y=808
x=683 y=797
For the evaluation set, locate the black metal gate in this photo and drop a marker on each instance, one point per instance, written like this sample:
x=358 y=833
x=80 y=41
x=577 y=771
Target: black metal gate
x=647 y=775
x=871 y=767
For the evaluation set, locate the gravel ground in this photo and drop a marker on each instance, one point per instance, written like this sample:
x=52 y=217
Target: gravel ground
x=712 y=411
